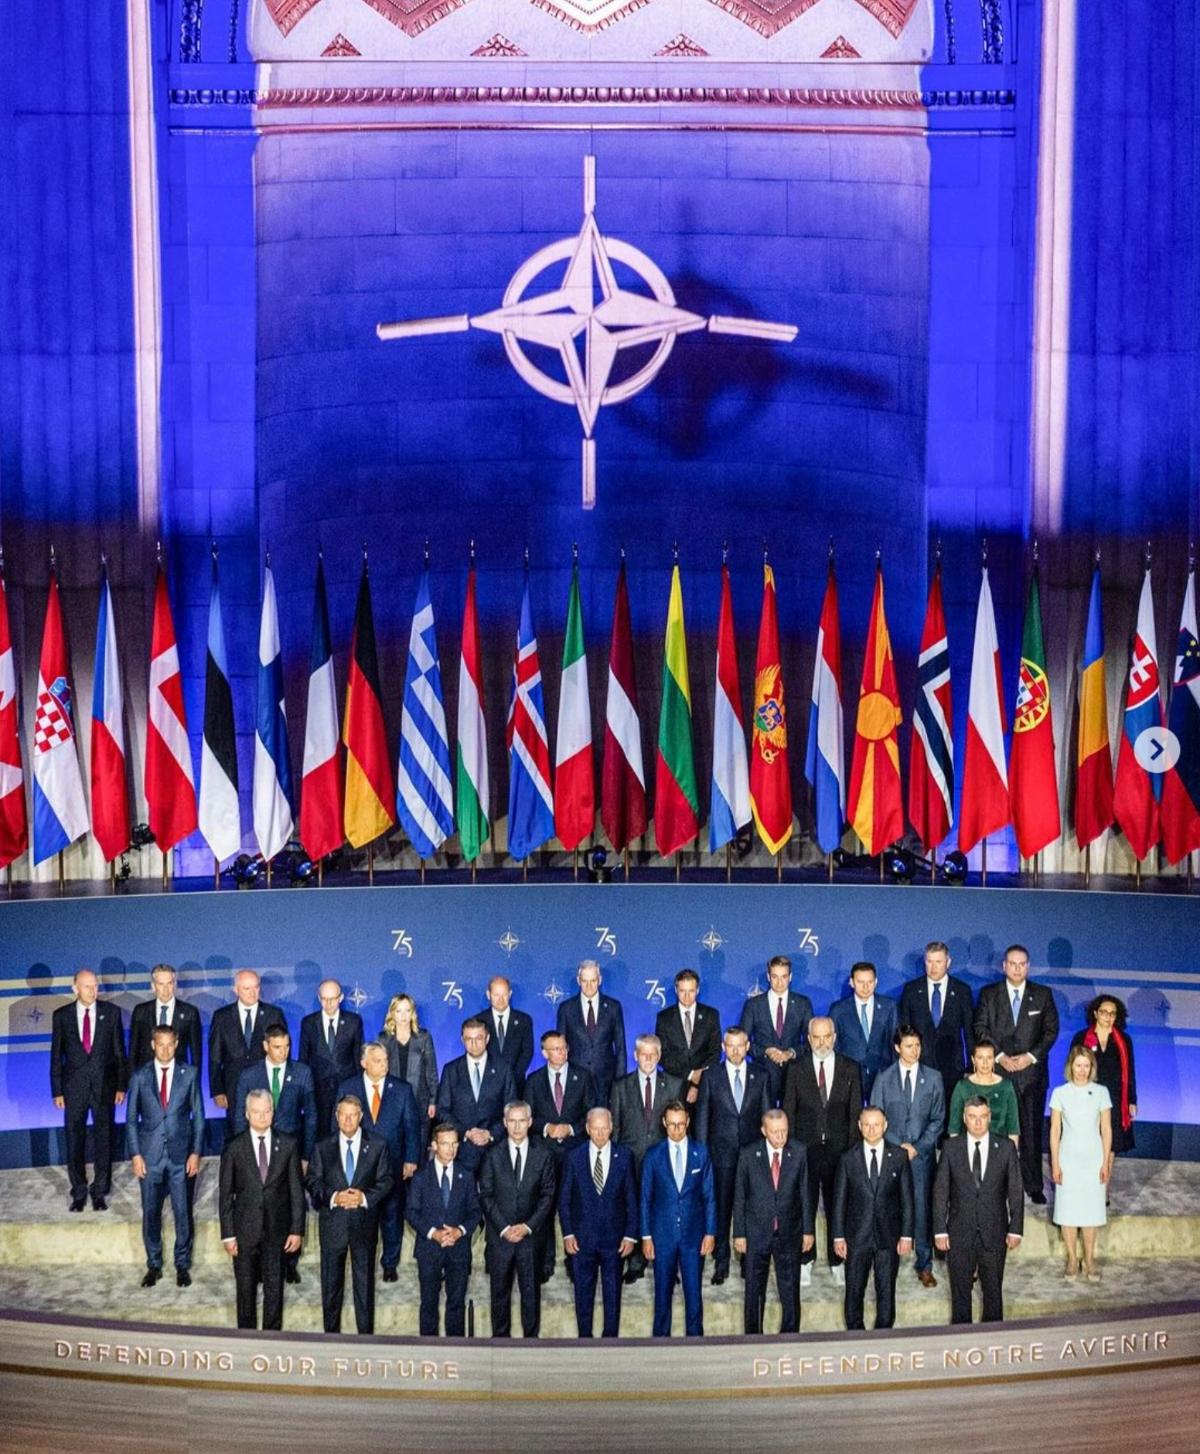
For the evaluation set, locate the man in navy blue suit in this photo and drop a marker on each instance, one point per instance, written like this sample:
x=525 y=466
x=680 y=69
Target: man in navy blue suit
x=866 y=1025
x=510 y=1031
x=390 y=1111
x=444 y=1212
x=678 y=1215
x=598 y=1213
x=594 y=1025
x=331 y=1041
x=473 y=1092
x=940 y=1008
x=164 y=1133
x=777 y=1024
x=772 y=1220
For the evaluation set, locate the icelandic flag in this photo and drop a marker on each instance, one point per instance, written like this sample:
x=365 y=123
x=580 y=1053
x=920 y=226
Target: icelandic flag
x=220 y=816
x=321 y=824
x=825 y=758
x=60 y=813
x=424 y=797
x=530 y=798
x=273 y=822
x=110 y=794
x=1137 y=793
x=730 y=803
x=1181 y=788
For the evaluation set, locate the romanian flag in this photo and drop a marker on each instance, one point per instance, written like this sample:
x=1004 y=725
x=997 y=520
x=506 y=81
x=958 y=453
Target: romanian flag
x=1032 y=780
x=370 y=788
x=676 y=800
x=1094 y=771
x=770 y=782
x=876 y=804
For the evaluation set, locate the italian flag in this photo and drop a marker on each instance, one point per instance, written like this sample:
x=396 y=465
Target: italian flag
x=574 y=779
x=471 y=789
x=676 y=801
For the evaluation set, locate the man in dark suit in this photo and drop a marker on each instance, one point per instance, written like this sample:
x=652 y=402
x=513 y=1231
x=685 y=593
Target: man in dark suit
x=510 y=1031
x=262 y=1210
x=472 y=1094
x=690 y=1034
x=873 y=1218
x=443 y=1211
x=866 y=1025
x=235 y=1040
x=331 y=1041
x=389 y=1111
x=517 y=1187
x=939 y=1006
x=1021 y=1020
x=164 y=1134
x=822 y=1097
x=678 y=1216
x=559 y=1097
x=88 y=1074
x=598 y=1213
x=772 y=1220
x=349 y=1176
x=638 y=1102
x=777 y=1023
x=978 y=1212
x=729 y=1112
x=594 y=1025
x=164 y=1009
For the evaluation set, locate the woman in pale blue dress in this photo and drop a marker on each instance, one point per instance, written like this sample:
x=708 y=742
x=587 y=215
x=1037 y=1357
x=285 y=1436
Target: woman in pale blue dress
x=1080 y=1158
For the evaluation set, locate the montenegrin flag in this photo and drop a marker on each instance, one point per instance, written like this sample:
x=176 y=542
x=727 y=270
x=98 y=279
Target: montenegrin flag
x=322 y=827
x=676 y=801
x=14 y=820
x=574 y=775
x=60 y=813
x=472 y=789
x=110 y=792
x=1032 y=777
x=770 y=781
x=876 y=804
x=170 y=785
x=1094 y=774
x=623 y=778
x=1181 y=788
x=931 y=758
x=729 y=809
x=1136 y=793
x=370 y=789
x=825 y=755
x=984 y=806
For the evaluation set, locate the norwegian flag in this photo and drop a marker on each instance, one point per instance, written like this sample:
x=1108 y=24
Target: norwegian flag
x=931 y=762
x=14 y=821
x=170 y=786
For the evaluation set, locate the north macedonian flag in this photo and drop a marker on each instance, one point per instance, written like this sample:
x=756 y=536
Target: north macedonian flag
x=876 y=804
x=770 y=783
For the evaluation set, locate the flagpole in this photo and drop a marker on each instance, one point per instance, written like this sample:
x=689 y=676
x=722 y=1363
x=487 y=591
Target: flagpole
x=678 y=855
x=268 y=873
x=320 y=873
x=422 y=870
x=1137 y=875
x=983 y=862
x=575 y=863
x=112 y=875
x=728 y=863
x=779 y=867
x=829 y=867
x=627 y=863
x=370 y=865
x=216 y=873
x=62 y=875
x=1087 y=866
x=933 y=867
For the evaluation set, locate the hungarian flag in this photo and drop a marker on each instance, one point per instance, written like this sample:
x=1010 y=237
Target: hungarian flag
x=14 y=820
x=931 y=758
x=1181 y=788
x=170 y=786
x=1093 y=763
x=770 y=781
x=825 y=755
x=322 y=827
x=876 y=803
x=574 y=776
x=984 y=807
x=370 y=788
x=676 y=801
x=1033 y=780
x=729 y=809
x=110 y=792
x=1137 y=793
x=472 y=790
x=623 y=779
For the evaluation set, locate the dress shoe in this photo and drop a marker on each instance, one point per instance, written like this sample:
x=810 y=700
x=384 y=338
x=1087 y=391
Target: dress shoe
x=545 y=1275
x=292 y=1275
x=390 y=1275
x=635 y=1274
x=99 y=1204
x=183 y=1278
x=78 y=1203
x=926 y=1278
x=152 y=1276
x=1038 y=1198
x=719 y=1276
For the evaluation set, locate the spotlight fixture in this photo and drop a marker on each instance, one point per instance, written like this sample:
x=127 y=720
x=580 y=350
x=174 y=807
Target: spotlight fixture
x=599 y=870
x=900 y=864
x=245 y=870
x=300 y=867
x=954 y=868
x=140 y=836
x=124 y=871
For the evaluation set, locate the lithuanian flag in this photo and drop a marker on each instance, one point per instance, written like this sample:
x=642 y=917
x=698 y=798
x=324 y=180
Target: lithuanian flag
x=676 y=801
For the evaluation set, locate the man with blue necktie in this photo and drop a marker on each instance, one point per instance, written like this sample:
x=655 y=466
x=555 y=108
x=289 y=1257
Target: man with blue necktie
x=473 y=1092
x=443 y=1210
x=866 y=1025
x=938 y=1005
x=678 y=1220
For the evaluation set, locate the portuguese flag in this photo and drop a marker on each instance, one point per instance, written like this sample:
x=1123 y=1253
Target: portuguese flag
x=370 y=787
x=676 y=801
x=1032 y=781
x=472 y=795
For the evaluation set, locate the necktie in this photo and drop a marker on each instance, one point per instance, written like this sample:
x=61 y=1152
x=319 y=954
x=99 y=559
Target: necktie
x=87 y=1031
x=591 y=1017
x=821 y=1086
x=598 y=1175
x=330 y=1033
x=517 y=1166
x=248 y=1027
x=262 y=1158
x=162 y=1015
x=687 y=1027
x=738 y=1090
x=558 y=1091
x=162 y=1090
x=649 y=1101
x=275 y=1085
x=779 y=1019
x=445 y=1189
x=977 y=1165
x=678 y=1166
x=874 y=1172
x=1016 y=1006
x=775 y=1168
x=375 y=1101
x=935 y=1006
x=500 y=1034
x=476 y=1078
x=866 y=1024
x=349 y=1162
x=908 y=1087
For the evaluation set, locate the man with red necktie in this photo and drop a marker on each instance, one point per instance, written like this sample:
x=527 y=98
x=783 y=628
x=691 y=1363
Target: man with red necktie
x=88 y=1075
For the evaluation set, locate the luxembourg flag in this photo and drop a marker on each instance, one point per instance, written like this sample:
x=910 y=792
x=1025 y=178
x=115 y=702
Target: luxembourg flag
x=273 y=822
x=321 y=829
x=730 y=803
x=60 y=813
x=110 y=796
x=825 y=758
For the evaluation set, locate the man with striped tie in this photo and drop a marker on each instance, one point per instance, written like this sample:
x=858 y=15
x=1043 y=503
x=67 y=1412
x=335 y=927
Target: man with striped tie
x=598 y=1212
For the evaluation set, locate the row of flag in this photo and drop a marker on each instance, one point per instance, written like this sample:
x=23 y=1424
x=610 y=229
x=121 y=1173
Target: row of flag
x=353 y=790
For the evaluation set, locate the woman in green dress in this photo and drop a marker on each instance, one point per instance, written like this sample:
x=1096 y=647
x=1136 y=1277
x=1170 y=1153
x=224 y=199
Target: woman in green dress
x=995 y=1089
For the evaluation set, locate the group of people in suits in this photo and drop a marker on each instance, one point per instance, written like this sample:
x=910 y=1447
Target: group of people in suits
x=715 y=1146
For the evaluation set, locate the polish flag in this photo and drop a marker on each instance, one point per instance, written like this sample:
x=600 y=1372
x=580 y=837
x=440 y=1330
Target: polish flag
x=985 y=807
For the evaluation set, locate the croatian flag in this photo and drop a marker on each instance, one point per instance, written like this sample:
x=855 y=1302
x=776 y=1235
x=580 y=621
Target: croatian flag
x=60 y=813
x=530 y=798
x=273 y=822
x=825 y=758
x=424 y=797
x=110 y=795
x=730 y=802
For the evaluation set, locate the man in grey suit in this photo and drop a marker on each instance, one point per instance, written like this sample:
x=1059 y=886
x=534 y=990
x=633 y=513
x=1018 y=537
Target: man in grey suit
x=638 y=1103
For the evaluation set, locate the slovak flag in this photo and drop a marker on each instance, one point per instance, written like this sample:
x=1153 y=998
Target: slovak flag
x=825 y=758
x=1138 y=792
x=110 y=792
x=14 y=822
x=60 y=813
x=170 y=785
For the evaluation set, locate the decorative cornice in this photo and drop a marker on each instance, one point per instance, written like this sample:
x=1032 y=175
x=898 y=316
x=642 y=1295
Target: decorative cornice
x=340 y=46
x=577 y=22
x=840 y=49
x=681 y=45
x=287 y=14
x=893 y=15
x=412 y=18
x=767 y=17
x=498 y=45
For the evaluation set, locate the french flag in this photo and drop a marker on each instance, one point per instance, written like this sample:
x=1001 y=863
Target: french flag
x=110 y=793
x=321 y=828
x=825 y=759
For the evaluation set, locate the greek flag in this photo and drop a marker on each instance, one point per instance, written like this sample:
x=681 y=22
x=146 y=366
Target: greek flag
x=424 y=799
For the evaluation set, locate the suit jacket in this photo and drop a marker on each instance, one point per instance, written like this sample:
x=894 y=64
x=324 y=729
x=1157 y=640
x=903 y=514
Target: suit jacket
x=228 y=1053
x=261 y=1213
x=505 y=1202
x=831 y=1127
x=991 y=1211
x=518 y=1042
x=74 y=1072
x=880 y=1050
x=1035 y=1032
x=421 y=1071
x=400 y=1123
x=296 y=1110
x=165 y=1137
x=670 y=1216
x=602 y=1055
x=340 y=1227
x=756 y=1020
x=185 y=1021
x=600 y=1220
x=718 y=1123
x=921 y=1123
x=873 y=1216
x=677 y=1057
x=456 y=1103
x=629 y=1111
x=579 y=1096
x=328 y=1068
x=757 y=1206
x=948 y=1046
x=424 y=1209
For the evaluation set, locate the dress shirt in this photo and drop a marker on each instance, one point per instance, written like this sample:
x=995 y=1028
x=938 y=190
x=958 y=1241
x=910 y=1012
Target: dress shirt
x=983 y=1155
x=79 y=1013
x=773 y=1003
x=441 y=1171
x=501 y=1018
x=328 y=1022
x=870 y=1008
x=642 y=1079
x=369 y=1086
x=731 y=1070
x=584 y=1002
x=605 y=1158
x=931 y=985
x=158 y=1075
x=561 y=1072
x=828 y=1064
x=471 y=1065
x=356 y=1147
x=159 y=1007
x=679 y=1154
x=878 y=1149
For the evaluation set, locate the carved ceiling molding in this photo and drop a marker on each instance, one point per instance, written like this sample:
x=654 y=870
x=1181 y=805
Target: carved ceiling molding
x=791 y=96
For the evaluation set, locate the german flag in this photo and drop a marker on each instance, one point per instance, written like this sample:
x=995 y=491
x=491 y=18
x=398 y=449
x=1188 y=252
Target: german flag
x=370 y=787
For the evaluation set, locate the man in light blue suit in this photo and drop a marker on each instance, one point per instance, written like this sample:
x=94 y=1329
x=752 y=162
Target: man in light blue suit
x=164 y=1134
x=678 y=1220
x=912 y=1098
x=866 y=1025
